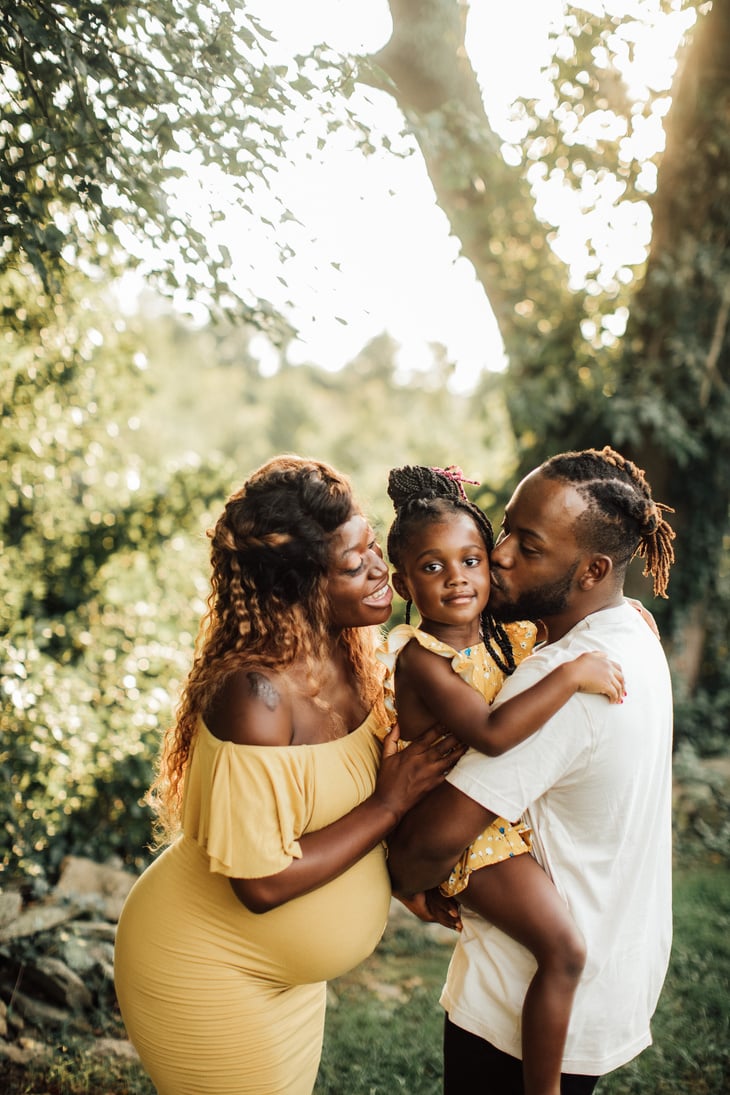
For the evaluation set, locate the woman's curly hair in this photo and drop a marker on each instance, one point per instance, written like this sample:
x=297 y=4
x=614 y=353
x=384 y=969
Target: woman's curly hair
x=420 y=495
x=268 y=604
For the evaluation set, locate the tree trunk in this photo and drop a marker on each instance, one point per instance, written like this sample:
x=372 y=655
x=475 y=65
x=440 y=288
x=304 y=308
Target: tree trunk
x=487 y=202
x=670 y=408
x=678 y=337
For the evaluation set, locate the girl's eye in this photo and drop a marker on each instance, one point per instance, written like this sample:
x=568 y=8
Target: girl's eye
x=432 y=568
x=472 y=561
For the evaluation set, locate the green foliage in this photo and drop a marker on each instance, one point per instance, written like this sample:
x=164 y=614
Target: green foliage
x=106 y=109
x=564 y=381
x=384 y=1026
x=649 y=395
x=364 y=419
x=632 y=353
x=120 y=440
x=702 y=716
x=100 y=603
x=701 y=805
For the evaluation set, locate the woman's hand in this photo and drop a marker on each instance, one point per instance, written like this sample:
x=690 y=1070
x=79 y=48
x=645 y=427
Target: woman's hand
x=407 y=774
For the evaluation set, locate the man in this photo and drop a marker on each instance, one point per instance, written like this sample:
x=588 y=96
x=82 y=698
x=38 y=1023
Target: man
x=594 y=783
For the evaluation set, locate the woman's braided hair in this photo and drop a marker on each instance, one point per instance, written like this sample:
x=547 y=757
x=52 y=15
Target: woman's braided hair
x=268 y=604
x=421 y=495
x=622 y=519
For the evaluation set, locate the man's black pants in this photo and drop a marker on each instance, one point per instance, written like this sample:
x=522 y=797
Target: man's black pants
x=474 y=1067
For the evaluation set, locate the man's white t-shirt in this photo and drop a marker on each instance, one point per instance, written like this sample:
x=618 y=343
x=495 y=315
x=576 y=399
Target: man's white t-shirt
x=595 y=786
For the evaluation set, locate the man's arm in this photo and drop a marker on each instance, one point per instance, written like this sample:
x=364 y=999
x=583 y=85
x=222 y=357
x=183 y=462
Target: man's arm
x=431 y=837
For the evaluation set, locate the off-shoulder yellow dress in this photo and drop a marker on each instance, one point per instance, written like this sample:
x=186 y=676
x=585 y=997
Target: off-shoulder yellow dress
x=218 y=1000
x=476 y=666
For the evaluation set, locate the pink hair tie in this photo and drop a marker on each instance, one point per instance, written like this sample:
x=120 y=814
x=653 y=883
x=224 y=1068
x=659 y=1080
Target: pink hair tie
x=456 y=475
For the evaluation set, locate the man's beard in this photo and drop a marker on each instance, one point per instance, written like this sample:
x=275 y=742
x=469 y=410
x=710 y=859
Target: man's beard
x=536 y=604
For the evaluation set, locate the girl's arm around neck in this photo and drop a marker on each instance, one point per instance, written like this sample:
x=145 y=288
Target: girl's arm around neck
x=466 y=714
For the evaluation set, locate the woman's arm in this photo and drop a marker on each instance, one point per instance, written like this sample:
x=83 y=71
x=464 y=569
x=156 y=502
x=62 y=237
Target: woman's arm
x=464 y=712
x=403 y=779
x=255 y=709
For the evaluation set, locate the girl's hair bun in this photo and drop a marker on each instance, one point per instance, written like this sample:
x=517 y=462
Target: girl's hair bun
x=418 y=481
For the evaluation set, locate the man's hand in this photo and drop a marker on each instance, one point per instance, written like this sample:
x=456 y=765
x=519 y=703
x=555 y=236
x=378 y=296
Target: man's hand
x=433 y=907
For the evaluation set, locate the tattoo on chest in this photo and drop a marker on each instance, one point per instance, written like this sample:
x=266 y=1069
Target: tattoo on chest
x=264 y=690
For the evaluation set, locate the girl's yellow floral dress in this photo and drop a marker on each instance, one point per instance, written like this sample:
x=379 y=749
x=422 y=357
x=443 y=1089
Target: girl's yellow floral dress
x=477 y=667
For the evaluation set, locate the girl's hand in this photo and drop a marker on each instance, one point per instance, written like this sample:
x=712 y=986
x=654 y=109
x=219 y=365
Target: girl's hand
x=598 y=674
x=433 y=907
x=407 y=774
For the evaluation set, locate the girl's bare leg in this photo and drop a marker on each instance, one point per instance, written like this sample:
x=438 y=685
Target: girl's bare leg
x=518 y=897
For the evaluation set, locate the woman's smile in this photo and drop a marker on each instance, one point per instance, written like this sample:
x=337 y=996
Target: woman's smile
x=382 y=595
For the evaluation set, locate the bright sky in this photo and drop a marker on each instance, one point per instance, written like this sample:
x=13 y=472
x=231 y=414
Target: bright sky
x=373 y=250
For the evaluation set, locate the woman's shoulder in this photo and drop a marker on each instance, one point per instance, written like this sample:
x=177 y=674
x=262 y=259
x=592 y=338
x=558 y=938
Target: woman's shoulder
x=252 y=706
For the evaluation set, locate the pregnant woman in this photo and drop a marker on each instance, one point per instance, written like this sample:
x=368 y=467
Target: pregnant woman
x=277 y=786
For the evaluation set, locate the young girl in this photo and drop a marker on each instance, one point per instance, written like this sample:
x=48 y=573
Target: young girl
x=448 y=671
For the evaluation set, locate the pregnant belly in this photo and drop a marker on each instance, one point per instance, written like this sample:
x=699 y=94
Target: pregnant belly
x=329 y=931
x=181 y=915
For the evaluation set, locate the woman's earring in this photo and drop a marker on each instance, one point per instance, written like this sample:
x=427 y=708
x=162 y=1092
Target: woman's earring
x=409 y=605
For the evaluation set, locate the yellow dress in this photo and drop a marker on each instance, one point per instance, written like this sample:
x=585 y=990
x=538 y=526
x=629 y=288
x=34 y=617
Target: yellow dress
x=219 y=1000
x=475 y=665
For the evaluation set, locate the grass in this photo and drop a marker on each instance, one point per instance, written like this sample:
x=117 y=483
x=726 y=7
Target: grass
x=384 y=1030
x=384 y=1023
x=691 y=1051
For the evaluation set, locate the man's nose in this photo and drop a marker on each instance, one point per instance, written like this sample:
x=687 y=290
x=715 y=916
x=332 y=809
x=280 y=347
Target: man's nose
x=501 y=555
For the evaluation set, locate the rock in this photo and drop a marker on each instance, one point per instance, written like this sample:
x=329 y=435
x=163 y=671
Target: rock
x=19 y=1054
x=46 y=978
x=85 y=955
x=37 y=1012
x=10 y=905
x=60 y=979
x=98 y=929
x=37 y=918
x=60 y=984
x=113 y=1047
x=15 y=1021
x=94 y=885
